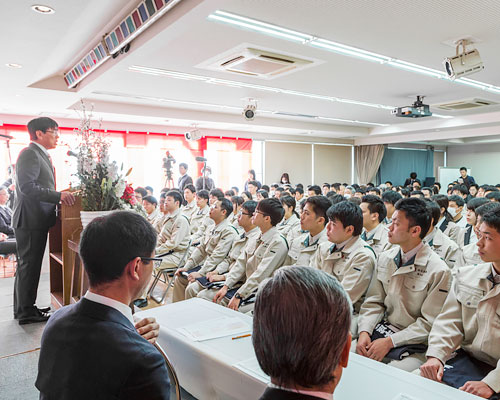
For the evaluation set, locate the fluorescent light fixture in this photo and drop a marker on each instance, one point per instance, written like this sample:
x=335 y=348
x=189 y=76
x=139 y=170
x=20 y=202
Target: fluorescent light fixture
x=14 y=65
x=225 y=107
x=441 y=116
x=340 y=48
x=207 y=79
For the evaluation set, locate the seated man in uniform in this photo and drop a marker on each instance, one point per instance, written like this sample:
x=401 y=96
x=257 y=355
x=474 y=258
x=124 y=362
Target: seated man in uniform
x=470 y=253
x=93 y=349
x=313 y=221
x=190 y=196
x=160 y=219
x=346 y=256
x=469 y=322
x=261 y=257
x=374 y=232
x=308 y=364
x=390 y=198
x=456 y=208
x=467 y=235
x=173 y=240
x=212 y=250
x=406 y=294
x=200 y=220
x=442 y=245
x=207 y=289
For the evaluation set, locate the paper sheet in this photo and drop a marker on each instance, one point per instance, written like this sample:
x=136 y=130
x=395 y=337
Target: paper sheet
x=251 y=367
x=402 y=396
x=215 y=328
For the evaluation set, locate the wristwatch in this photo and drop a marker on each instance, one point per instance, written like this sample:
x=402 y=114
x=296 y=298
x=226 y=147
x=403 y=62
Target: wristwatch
x=238 y=296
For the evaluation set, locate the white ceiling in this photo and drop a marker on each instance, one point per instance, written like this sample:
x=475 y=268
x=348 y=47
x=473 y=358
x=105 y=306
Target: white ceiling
x=47 y=45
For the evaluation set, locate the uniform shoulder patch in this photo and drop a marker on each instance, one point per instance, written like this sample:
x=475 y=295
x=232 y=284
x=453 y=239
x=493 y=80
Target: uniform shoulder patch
x=373 y=251
x=236 y=230
x=286 y=241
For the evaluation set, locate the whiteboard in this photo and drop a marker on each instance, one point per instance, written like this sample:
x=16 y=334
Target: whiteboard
x=447 y=175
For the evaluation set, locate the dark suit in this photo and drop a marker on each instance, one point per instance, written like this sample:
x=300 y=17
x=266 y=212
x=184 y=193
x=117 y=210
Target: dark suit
x=34 y=213
x=410 y=181
x=280 y=394
x=5 y=221
x=184 y=181
x=92 y=351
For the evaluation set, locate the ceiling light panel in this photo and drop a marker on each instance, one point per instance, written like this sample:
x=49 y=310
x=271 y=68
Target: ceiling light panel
x=340 y=48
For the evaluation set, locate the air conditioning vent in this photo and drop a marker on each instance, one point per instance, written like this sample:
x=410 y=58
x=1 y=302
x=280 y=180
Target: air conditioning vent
x=468 y=104
x=255 y=62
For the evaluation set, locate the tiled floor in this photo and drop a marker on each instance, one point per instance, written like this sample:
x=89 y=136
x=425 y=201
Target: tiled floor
x=20 y=344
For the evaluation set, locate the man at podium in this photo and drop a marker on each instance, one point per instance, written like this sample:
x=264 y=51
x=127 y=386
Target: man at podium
x=34 y=213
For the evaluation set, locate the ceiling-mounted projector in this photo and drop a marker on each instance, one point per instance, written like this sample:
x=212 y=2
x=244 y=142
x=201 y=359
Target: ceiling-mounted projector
x=417 y=110
x=464 y=63
x=193 y=135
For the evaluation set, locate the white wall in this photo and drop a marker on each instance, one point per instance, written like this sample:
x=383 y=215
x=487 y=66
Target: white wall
x=332 y=164
x=482 y=159
x=293 y=158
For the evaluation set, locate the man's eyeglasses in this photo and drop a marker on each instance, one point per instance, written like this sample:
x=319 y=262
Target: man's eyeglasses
x=260 y=212
x=54 y=132
x=243 y=213
x=147 y=259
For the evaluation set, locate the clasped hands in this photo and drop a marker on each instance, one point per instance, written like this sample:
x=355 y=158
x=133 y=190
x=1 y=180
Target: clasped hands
x=375 y=350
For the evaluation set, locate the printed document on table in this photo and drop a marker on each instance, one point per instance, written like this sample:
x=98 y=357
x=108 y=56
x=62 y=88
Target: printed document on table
x=251 y=367
x=215 y=328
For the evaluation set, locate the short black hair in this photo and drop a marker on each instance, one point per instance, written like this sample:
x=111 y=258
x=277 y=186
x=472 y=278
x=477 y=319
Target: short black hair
x=217 y=193
x=476 y=202
x=374 y=189
x=320 y=205
x=417 y=213
x=235 y=188
x=492 y=219
x=273 y=208
x=434 y=210
x=203 y=194
x=427 y=188
x=391 y=196
x=347 y=213
x=226 y=205
x=40 y=124
x=263 y=193
x=191 y=187
x=459 y=201
x=463 y=169
x=265 y=187
x=150 y=188
x=109 y=243
x=486 y=208
x=238 y=200
x=183 y=164
x=438 y=184
x=375 y=205
x=299 y=190
x=299 y=185
x=141 y=191
x=229 y=193
x=254 y=183
x=354 y=200
x=388 y=182
x=461 y=188
x=247 y=193
x=249 y=206
x=418 y=193
x=326 y=185
x=176 y=196
x=150 y=199
x=316 y=189
x=335 y=197
x=495 y=196
x=413 y=175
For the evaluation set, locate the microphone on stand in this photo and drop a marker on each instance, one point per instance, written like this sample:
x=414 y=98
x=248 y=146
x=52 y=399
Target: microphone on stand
x=71 y=153
x=201 y=159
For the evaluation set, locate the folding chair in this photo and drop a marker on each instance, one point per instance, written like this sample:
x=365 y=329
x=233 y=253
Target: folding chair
x=8 y=252
x=164 y=273
x=171 y=372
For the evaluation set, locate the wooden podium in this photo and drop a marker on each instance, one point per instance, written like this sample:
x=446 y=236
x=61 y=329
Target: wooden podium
x=64 y=262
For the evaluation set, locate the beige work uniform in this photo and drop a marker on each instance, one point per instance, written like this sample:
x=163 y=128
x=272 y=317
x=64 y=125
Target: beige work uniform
x=211 y=251
x=200 y=221
x=444 y=247
x=285 y=226
x=261 y=257
x=233 y=220
x=409 y=298
x=352 y=265
x=189 y=209
x=174 y=237
x=158 y=222
x=449 y=228
x=153 y=216
x=468 y=231
x=469 y=256
x=470 y=319
x=225 y=266
x=377 y=238
x=304 y=247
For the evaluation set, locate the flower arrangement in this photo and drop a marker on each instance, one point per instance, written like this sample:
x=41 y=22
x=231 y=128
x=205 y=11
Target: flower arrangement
x=102 y=186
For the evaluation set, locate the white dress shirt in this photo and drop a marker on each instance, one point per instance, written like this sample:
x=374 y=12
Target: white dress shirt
x=118 y=306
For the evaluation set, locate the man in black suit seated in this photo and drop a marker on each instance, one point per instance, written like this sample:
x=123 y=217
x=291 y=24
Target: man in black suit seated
x=92 y=350
x=304 y=360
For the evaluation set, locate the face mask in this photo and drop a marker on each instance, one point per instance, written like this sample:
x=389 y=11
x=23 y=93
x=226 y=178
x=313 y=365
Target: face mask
x=347 y=196
x=452 y=211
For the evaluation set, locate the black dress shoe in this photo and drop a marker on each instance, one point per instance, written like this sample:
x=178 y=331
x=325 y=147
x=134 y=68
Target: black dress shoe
x=44 y=309
x=40 y=317
x=141 y=303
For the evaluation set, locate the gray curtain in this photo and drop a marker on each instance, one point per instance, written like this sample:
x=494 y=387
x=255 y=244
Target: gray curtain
x=368 y=159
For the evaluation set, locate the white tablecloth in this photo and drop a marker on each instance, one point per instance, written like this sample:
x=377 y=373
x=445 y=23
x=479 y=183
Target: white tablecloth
x=206 y=369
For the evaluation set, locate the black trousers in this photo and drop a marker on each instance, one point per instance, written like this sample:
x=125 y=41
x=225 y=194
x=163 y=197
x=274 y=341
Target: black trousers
x=30 y=249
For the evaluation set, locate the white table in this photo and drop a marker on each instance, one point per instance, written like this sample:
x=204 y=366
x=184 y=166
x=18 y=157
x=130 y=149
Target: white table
x=206 y=369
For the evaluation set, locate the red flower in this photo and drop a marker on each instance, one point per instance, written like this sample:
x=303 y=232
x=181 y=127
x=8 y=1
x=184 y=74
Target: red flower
x=128 y=195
